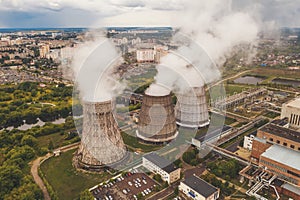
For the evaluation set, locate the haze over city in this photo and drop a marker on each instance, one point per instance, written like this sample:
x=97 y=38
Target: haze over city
x=150 y=100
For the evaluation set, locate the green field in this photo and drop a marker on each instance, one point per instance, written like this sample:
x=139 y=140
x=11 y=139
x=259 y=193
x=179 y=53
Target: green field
x=56 y=138
x=133 y=144
x=65 y=180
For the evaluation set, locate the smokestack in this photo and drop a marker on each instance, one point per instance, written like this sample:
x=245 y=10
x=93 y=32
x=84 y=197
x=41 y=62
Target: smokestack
x=191 y=108
x=101 y=142
x=157 y=124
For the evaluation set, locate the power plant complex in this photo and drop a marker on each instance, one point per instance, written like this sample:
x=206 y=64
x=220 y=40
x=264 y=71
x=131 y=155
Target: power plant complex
x=102 y=144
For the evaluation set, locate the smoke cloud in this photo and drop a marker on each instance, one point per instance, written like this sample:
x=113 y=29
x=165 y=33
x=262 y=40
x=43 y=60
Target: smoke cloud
x=214 y=30
x=91 y=65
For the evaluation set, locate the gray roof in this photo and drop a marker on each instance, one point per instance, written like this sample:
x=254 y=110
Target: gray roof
x=294 y=103
x=291 y=188
x=200 y=186
x=283 y=155
x=282 y=132
x=161 y=162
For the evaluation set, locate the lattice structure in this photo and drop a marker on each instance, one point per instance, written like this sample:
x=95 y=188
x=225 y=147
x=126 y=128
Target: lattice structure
x=157 y=122
x=191 y=108
x=101 y=142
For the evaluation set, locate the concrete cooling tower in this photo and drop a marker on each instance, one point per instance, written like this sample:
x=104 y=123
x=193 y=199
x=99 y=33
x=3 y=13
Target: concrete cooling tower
x=101 y=142
x=191 y=108
x=157 y=124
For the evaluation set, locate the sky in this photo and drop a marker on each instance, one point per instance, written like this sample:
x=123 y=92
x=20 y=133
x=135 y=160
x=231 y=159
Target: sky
x=105 y=13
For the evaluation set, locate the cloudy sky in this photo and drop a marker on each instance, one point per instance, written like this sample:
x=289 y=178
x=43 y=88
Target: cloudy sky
x=99 y=13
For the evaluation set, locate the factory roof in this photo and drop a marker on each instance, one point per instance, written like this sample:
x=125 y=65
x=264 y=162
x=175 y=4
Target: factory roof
x=161 y=162
x=294 y=103
x=283 y=155
x=282 y=132
x=280 y=122
x=291 y=188
x=200 y=186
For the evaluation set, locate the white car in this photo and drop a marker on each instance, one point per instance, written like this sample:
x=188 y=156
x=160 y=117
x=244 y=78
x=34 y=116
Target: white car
x=124 y=191
x=129 y=183
x=143 y=194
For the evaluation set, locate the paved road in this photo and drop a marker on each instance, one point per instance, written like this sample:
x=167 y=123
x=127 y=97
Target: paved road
x=197 y=171
x=235 y=76
x=164 y=193
x=36 y=164
x=234 y=147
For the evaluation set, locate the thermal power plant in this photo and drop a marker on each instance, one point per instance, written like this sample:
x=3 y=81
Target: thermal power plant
x=101 y=142
x=191 y=108
x=157 y=124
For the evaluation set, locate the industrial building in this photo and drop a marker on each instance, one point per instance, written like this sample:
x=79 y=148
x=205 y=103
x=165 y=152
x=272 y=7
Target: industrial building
x=248 y=141
x=157 y=124
x=145 y=55
x=236 y=99
x=283 y=162
x=191 y=109
x=159 y=165
x=291 y=110
x=101 y=142
x=198 y=189
x=277 y=149
x=279 y=135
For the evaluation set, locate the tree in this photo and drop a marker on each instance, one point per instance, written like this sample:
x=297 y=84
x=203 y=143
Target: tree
x=86 y=195
x=10 y=178
x=29 y=140
x=158 y=178
x=50 y=145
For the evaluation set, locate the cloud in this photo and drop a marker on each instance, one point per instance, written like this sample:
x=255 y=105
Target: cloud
x=283 y=12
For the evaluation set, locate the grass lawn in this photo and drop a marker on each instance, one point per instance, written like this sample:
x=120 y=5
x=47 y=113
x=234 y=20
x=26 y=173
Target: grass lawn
x=235 y=88
x=134 y=144
x=65 y=180
x=56 y=138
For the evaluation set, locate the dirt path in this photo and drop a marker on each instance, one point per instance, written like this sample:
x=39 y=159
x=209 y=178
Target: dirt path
x=36 y=164
x=34 y=171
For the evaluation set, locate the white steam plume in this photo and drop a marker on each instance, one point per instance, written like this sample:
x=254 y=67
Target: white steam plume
x=91 y=66
x=214 y=30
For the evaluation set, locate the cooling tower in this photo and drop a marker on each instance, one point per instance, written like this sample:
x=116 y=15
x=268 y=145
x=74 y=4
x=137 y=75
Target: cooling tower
x=191 y=108
x=101 y=142
x=157 y=124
